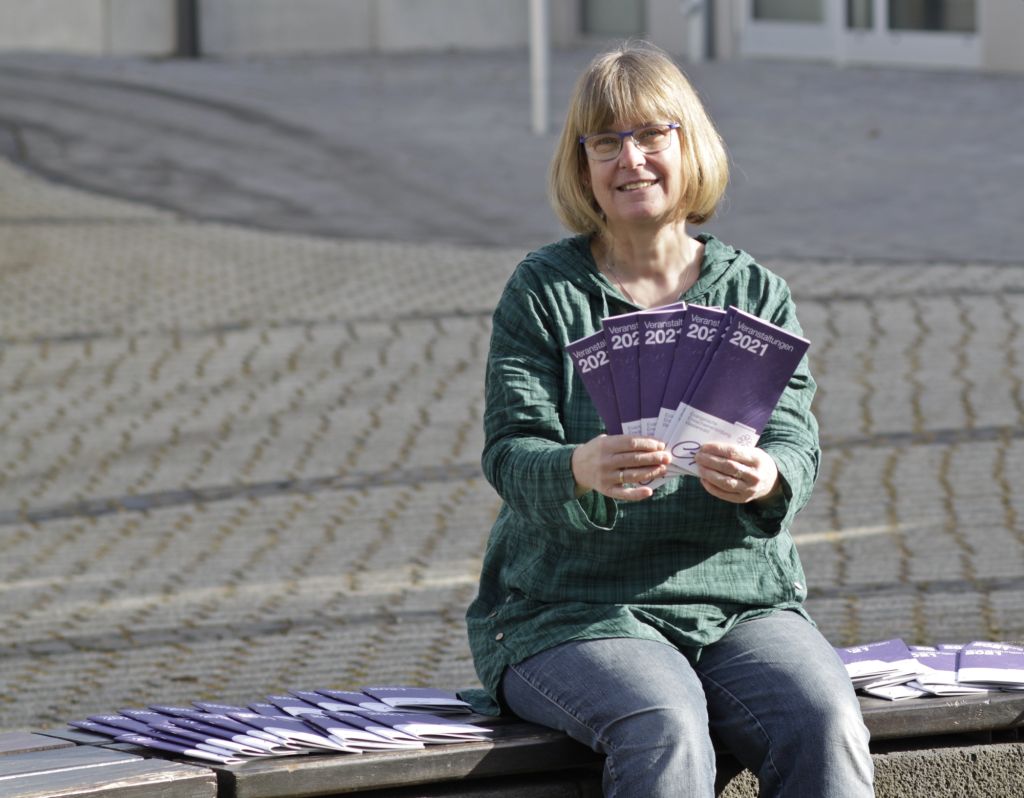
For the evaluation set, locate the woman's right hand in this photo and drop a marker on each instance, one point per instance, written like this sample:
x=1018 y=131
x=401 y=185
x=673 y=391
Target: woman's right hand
x=614 y=465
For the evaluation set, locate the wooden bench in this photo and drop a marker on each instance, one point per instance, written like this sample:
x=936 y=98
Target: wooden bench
x=44 y=765
x=932 y=748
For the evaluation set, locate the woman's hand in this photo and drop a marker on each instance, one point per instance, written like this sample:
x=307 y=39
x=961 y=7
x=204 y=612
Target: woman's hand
x=738 y=474
x=614 y=465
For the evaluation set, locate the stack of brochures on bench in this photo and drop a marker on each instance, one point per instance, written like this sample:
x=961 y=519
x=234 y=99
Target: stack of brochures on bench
x=687 y=374
x=302 y=721
x=893 y=670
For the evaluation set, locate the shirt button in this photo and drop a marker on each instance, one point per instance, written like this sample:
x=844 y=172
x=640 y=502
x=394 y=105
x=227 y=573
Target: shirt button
x=499 y=636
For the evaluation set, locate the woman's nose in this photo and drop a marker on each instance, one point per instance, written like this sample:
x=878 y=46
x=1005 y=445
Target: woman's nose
x=630 y=155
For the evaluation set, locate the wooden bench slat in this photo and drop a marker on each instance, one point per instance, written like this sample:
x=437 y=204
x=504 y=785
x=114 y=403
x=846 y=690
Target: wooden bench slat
x=60 y=759
x=924 y=717
x=23 y=742
x=517 y=748
x=141 y=778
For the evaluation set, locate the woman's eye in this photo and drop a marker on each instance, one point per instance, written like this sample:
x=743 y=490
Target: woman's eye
x=650 y=135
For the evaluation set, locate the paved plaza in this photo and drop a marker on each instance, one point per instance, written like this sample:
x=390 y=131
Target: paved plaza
x=241 y=397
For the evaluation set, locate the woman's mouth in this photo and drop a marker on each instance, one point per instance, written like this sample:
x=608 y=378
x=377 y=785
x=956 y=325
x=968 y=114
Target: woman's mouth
x=635 y=185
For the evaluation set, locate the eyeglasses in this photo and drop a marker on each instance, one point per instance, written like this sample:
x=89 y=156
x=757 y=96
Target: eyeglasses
x=648 y=139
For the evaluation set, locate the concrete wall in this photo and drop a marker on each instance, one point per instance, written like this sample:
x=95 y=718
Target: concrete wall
x=245 y=27
x=253 y=27
x=99 y=27
x=1001 y=25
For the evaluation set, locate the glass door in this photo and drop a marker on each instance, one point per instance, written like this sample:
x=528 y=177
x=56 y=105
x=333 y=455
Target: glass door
x=926 y=32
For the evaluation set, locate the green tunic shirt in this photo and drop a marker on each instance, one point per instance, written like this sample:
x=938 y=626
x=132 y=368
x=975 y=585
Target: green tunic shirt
x=681 y=567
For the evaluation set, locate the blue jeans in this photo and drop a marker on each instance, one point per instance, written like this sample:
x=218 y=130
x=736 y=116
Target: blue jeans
x=773 y=691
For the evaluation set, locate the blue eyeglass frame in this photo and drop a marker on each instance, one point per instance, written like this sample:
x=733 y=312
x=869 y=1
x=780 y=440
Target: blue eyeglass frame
x=629 y=133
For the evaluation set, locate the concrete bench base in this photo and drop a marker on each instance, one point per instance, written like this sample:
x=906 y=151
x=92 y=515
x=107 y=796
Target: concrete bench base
x=944 y=767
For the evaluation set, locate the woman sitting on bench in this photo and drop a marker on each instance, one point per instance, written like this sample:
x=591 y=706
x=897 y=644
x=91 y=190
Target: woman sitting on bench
x=643 y=621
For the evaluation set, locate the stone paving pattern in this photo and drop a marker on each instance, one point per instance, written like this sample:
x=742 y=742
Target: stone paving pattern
x=236 y=461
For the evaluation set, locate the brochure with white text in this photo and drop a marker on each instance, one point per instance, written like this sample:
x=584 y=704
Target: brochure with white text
x=594 y=368
x=623 y=336
x=995 y=665
x=660 y=330
x=700 y=331
x=877 y=664
x=738 y=391
x=421 y=699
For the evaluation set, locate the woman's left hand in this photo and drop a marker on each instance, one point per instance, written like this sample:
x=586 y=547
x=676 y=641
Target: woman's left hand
x=738 y=474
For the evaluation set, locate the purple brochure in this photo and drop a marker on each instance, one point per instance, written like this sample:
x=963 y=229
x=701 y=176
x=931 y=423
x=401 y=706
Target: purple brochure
x=296 y=707
x=293 y=730
x=220 y=709
x=937 y=673
x=740 y=387
x=881 y=663
x=139 y=726
x=590 y=359
x=97 y=728
x=325 y=703
x=429 y=728
x=239 y=732
x=121 y=722
x=176 y=711
x=996 y=665
x=354 y=730
x=161 y=727
x=143 y=715
x=419 y=699
x=264 y=708
x=200 y=733
x=660 y=331
x=700 y=330
x=361 y=721
x=152 y=741
x=623 y=336
x=220 y=718
x=355 y=701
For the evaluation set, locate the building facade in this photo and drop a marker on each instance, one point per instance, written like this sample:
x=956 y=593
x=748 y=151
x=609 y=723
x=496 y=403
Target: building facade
x=962 y=34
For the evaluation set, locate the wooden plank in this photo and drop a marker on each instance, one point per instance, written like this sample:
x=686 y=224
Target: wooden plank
x=517 y=748
x=24 y=742
x=924 y=717
x=60 y=759
x=140 y=778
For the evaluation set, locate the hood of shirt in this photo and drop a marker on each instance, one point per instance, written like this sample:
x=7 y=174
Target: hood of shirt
x=573 y=259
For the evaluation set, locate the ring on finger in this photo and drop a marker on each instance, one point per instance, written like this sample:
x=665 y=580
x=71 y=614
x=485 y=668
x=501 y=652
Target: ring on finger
x=622 y=476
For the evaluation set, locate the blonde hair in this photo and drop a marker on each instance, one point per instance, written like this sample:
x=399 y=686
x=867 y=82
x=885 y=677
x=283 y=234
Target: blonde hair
x=636 y=82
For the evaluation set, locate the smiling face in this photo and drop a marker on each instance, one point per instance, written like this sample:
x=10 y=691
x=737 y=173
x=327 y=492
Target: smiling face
x=638 y=188
x=619 y=91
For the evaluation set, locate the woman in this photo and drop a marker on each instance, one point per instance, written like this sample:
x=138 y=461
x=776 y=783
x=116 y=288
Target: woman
x=643 y=621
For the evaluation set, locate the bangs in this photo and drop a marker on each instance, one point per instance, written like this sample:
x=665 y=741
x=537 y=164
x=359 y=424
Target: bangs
x=622 y=90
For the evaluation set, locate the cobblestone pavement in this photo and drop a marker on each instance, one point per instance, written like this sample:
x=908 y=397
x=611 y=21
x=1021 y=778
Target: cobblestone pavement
x=236 y=461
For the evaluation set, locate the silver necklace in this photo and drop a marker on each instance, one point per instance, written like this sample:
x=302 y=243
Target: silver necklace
x=615 y=276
